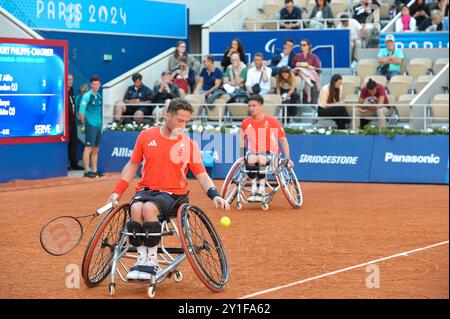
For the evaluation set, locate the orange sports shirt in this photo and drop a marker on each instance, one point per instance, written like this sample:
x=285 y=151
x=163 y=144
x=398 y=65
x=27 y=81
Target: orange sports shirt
x=263 y=136
x=166 y=162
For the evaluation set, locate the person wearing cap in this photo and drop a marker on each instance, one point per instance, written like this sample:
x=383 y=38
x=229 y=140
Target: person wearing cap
x=356 y=32
x=390 y=58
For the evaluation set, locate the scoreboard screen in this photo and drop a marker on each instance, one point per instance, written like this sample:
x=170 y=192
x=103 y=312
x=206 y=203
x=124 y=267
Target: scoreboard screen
x=32 y=91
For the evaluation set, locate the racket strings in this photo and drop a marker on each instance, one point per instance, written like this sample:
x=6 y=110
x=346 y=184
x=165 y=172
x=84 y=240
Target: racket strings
x=61 y=235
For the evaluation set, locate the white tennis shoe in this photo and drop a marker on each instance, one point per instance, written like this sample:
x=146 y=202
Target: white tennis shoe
x=135 y=273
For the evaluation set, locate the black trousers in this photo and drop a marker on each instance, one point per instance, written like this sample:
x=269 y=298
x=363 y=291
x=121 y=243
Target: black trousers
x=339 y=111
x=73 y=140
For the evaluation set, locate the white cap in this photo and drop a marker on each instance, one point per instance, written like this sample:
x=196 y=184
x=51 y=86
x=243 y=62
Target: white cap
x=389 y=37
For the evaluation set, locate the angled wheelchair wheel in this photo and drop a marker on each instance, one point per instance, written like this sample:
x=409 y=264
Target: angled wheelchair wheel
x=203 y=247
x=99 y=254
x=230 y=185
x=290 y=186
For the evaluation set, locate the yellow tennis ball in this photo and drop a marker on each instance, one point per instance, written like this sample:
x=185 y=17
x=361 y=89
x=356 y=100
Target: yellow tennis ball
x=225 y=221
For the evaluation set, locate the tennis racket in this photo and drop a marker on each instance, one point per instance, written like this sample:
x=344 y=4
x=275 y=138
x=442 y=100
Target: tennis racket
x=61 y=235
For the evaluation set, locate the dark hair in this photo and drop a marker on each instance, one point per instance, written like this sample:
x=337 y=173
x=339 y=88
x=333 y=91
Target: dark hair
x=345 y=17
x=371 y=84
x=179 y=104
x=210 y=58
x=176 y=51
x=282 y=70
x=136 y=76
x=182 y=59
x=335 y=93
x=240 y=45
x=95 y=78
x=308 y=42
x=256 y=97
x=259 y=54
x=287 y=1
x=324 y=3
x=289 y=40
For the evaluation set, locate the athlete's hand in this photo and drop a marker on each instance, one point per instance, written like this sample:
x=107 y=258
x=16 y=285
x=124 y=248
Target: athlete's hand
x=290 y=163
x=221 y=203
x=114 y=199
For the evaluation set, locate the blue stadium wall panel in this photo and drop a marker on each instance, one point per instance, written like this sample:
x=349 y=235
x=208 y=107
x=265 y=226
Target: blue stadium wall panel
x=86 y=53
x=402 y=159
x=33 y=161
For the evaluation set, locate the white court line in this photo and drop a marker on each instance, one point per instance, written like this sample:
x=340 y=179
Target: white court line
x=406 y=253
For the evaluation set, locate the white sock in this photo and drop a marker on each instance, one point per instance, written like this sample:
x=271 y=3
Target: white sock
x=262 y=185
x=142 y=251
x=254 y=186
x=152 y=254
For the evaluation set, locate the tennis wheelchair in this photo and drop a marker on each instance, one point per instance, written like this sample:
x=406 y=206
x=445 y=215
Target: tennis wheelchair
x=110 y=253
x=278 y=174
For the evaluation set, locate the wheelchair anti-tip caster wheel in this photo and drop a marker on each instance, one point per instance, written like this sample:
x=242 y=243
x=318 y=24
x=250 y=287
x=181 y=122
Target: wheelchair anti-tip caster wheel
x=112 y=289
x=239 y=206
x=265 y=206
x=151 y=291
x=177 y=276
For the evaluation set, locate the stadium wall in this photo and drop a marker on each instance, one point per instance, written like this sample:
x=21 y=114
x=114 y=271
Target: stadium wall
x=402 y=159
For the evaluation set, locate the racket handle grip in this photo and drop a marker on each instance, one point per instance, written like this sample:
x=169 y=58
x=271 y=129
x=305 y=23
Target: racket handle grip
x=104 y=209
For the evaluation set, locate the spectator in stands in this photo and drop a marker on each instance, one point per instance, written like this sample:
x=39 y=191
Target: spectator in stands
x=282 y=58
x=258 y=77
x=432 y=24
x=330 y=102
x=235 y=47
x=372 y=93
x=164 y=90
x=320 y=12
x=290 y=13
x=73 y=133
x=180 y=51
x=365 y=11
x=441 y=5
x=405 y=23
x=184 y=76
x=356 y=32
x=136 y=96
x=210 y=80
x=287 y=89
x=234 y=78
x=307 y=66
x=419 y=11
x=390 y=58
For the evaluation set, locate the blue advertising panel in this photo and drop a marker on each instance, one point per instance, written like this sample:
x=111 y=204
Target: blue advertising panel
x=327 y=44
x=416 y=40
x=331 y=158
x=115 y=150
x=137 y=17
x=410 y=159
x=32 y=89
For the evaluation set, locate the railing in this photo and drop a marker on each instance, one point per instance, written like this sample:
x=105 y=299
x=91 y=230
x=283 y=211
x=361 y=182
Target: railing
x=309 y=117
x=303 y=23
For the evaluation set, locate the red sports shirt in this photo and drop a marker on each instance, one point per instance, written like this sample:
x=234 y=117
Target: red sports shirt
x=166 y=162
x=263 y=136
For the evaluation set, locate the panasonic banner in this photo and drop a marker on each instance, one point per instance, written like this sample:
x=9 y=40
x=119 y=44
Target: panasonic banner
x=410 y=159
x=329 y=45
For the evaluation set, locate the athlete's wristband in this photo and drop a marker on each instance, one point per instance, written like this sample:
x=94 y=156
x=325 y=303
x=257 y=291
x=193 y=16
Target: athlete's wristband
x=121 y=187
x=212 y=192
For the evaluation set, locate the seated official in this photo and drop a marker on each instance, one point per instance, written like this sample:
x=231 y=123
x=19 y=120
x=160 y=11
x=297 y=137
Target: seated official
x=134 y=102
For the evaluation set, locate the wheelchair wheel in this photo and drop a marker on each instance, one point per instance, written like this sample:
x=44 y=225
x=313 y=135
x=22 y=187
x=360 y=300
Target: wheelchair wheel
x=289 y=184
x=203 y=247
x=230 y=187
x=98 y=257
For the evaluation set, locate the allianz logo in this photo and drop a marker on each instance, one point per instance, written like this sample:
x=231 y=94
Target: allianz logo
x=121 y=152
x=328 y=159
x=411 y=159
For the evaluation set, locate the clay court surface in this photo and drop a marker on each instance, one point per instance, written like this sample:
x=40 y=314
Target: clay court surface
x=339 y=226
